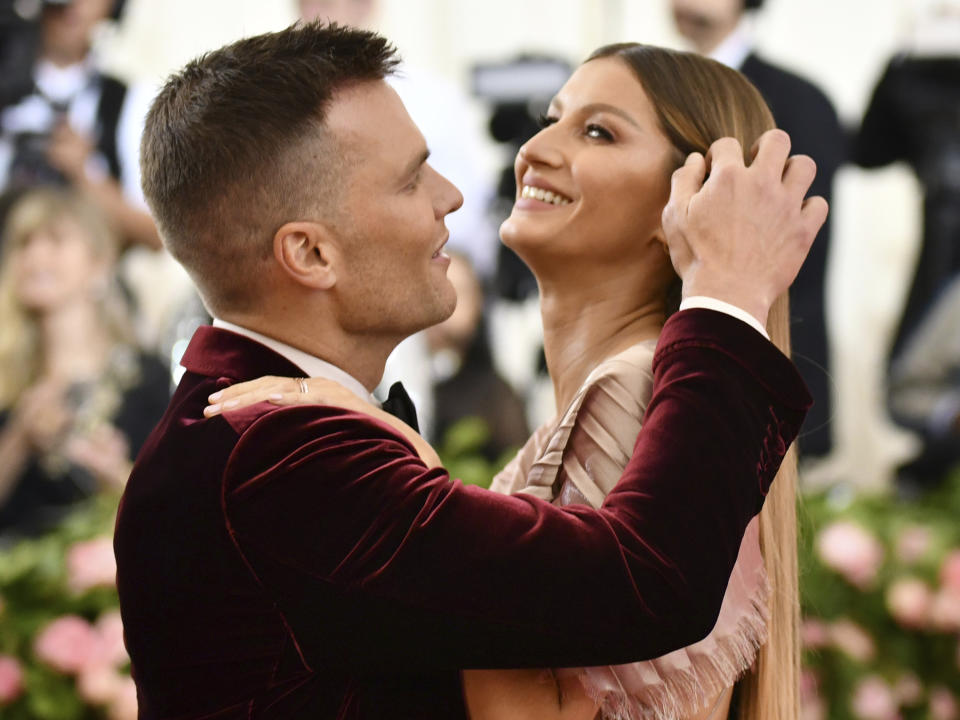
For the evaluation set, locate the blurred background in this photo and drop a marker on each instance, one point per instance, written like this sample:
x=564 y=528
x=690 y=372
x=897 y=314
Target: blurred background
x=94 y=315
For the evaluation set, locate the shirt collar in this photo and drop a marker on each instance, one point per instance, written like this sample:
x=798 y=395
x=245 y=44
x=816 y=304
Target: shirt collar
x=310 y=364
x=735 y=46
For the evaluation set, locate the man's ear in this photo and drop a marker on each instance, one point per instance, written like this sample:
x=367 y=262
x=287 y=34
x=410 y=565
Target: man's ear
x=306 y=252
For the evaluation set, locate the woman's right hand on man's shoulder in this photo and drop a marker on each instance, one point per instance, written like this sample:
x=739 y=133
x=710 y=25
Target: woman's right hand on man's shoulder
x=285 y=391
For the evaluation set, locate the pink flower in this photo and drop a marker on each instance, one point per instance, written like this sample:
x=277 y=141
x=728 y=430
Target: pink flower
x=908 y=690
x=913 y=543
x=99 y=684
x=873 y=700
x=945 y=611
x=112 y=651
x=850 y=638
x=814 y=633
x=812 y=704
x=943 y=705
x=950 y=572
x=68 y=644
x=91 y=564
x=850 y=550
x=11 y=679
x=124 y=705
x=909 y=601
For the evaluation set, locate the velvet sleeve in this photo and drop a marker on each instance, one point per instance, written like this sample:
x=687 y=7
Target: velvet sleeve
x=395 y=565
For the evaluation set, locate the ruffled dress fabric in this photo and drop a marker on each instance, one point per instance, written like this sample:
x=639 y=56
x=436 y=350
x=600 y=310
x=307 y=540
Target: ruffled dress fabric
x=578 y=458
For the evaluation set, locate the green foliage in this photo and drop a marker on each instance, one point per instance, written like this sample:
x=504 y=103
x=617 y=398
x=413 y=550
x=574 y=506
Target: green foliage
x=460 y=452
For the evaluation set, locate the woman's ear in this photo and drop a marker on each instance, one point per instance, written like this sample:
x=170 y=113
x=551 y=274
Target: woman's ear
x=661 y=239
x=307 y=254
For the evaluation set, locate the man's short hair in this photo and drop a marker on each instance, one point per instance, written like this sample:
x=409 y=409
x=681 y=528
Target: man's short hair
x=234 y=147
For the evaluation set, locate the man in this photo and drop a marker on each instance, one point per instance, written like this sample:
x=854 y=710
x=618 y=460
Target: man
x=303 y=561
x=720 y=29
x=924 y=391
x=77 y=126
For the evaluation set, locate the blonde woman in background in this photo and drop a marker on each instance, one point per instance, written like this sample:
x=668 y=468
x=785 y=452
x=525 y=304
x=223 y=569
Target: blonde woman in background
x=77 y=398
x=587 y=220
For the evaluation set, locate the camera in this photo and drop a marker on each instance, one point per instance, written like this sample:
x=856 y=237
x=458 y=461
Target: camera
x=519 y=91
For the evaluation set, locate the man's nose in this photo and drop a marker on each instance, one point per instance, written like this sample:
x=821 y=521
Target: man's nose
x=449 y=198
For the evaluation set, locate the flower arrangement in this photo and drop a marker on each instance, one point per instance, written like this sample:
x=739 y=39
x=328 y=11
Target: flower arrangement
x=880 y=586
x=61 y=638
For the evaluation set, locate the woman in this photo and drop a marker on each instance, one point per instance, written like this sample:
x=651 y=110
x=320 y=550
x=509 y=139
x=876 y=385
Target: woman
x=76 y=398
x=592 y=187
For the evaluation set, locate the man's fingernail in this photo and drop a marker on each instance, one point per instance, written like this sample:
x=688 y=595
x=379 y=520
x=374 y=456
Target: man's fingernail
x=216 y=396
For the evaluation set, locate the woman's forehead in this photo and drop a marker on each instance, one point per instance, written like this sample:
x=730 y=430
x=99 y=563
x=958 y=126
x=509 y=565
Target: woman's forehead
x=604 y=81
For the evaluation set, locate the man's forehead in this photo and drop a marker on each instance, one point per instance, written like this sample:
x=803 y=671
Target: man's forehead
x=370 y=121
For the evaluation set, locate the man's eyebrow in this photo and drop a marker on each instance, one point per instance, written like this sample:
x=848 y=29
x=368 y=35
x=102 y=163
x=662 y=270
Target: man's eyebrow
x=600 y=107
x=415 y=164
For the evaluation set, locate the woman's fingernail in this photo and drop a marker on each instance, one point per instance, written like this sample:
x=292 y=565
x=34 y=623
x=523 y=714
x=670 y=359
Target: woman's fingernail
x=216 y=396
x=211 y=409
x=275 y=396
x=230 y=403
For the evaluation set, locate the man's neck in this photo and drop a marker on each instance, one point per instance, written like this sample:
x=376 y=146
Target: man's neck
x=361 y=361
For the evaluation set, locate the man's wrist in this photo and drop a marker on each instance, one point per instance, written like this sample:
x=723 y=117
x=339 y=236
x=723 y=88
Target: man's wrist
x=712 y=303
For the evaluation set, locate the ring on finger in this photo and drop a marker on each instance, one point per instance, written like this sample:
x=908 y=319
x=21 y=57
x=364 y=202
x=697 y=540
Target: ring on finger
x=302 y=384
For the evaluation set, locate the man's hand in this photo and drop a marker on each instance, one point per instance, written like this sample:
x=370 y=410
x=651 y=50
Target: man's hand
x=742 y=235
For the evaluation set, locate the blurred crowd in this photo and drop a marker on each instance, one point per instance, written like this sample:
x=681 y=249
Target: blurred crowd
x=87 y=365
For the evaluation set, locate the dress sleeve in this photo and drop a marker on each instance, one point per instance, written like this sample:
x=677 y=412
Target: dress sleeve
x=377 y=562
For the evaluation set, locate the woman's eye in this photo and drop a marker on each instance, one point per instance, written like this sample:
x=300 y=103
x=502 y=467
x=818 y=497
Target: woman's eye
x=545 y=121
x=598 y=132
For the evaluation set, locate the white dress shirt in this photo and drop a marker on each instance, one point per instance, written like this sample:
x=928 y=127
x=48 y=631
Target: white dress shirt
x=310 y=364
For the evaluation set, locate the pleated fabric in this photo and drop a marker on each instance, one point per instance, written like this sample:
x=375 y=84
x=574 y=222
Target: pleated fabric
x=578 y=457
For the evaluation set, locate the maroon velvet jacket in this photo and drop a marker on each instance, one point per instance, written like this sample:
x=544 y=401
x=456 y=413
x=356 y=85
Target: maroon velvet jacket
x=301 y=562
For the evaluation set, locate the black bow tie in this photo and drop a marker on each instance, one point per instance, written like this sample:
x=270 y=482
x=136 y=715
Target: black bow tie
x=399 y=404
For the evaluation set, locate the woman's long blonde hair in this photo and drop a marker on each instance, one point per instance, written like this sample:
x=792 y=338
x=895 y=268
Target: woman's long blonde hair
x=699 y=101
x=21 y=347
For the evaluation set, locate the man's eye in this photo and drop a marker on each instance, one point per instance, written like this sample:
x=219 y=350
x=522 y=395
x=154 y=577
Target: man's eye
x=598 y=132
x=545 y=121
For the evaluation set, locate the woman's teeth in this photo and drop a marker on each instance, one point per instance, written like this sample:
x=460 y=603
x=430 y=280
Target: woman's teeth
x=529 y=191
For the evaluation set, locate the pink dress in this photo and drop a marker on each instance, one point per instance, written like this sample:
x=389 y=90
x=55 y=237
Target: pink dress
x=578 y=458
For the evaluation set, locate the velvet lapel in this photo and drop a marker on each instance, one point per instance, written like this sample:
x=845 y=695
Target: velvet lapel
x=217 y=353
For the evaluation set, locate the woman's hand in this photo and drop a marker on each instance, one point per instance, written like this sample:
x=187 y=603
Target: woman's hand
x=285 y=391
x=104 y=453
x=41 y=415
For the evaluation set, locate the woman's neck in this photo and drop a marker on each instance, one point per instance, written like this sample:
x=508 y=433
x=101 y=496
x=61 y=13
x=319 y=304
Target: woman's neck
x=76 y=343
x=584 y=324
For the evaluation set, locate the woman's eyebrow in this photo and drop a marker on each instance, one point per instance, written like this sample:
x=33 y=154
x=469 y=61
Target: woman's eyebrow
x=599 y=107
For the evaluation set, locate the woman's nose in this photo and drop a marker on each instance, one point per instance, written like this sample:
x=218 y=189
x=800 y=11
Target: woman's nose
x=542 y=149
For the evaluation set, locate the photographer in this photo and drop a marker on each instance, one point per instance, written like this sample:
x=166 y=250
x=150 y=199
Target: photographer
x=74 y=125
